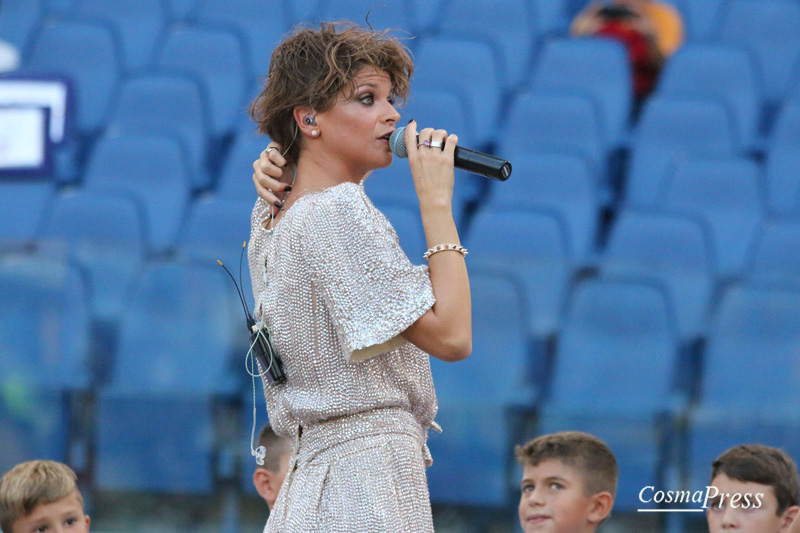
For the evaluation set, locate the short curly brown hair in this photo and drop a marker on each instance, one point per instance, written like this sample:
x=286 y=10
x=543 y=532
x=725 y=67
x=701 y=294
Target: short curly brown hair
x=312 y=67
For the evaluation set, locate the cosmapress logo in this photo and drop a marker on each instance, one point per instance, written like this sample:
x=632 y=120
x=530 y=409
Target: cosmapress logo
x=697 y=501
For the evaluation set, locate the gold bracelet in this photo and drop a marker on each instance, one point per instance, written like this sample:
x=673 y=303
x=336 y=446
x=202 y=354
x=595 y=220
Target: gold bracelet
x=445 y=247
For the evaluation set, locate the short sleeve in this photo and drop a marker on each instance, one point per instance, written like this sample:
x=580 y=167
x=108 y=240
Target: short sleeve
x=371 y=289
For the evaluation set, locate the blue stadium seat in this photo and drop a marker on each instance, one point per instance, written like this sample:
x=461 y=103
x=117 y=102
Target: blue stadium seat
x=395 y=186
x=702 y=18
x=550 y=16
x=441 y=109
x=776 y=255
x=476 y=398
x=721 y=73
x=236 y=176
x=155 y=422
x=595 y=68
x=105 y=236
x=60 y=7
x=182 y=9
x=302 y=11
x=407 y=224
x=22 y=208
x=507 y=26
x=382 y=16
x=166 y=105
x=673 y=251
x=786 y=130
x=221 y=69
x=535 y=250
x=215 y=230
x=261 y=26
x=88 y=54
x=44 y=334
x=561 y=183
x=768 y=30
x=564 y=124
x=138 y=23
x=19 y=20
x=439 y=64
x=669 y=132
x=150 y=170
x=613 y=374
x=750 y=385
x=725 y=193
x=782 y=181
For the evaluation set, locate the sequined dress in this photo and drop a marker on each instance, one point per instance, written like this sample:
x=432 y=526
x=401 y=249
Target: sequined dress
x=335 y=290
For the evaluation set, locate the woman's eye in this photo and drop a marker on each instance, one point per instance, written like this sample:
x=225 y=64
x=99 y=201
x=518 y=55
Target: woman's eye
x=556 y=486
x=367 y=99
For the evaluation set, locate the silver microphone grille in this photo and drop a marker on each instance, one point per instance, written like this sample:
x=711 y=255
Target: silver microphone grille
x=397 y=142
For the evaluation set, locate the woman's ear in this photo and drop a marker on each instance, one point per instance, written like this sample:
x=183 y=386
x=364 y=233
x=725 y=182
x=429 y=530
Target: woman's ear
x=306 y=120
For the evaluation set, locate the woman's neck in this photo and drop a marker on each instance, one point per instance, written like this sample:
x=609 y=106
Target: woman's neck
x=315 y=171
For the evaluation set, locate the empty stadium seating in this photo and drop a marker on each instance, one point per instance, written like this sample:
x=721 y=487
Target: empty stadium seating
x=616 y=310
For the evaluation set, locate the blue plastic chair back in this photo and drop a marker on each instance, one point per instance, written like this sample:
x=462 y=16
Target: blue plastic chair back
x=725 y=194
x=19 y=20
x=105 y=235
x=440 y=64
x=23 y=206
x=166 y=105
x=220 y=68
x=782 y=181
x=751 y=363
x=768 y=29
x=670 y=132
x=261 y=26
x=506 y=26
x=597 y=68
x=88 y=54
x=549 y=122
x=776 y=255
x=558 y=182
x=617 y=350
x=673 y=251
x=235 y=181
x=720 y=73
x=139 y=24
x=176 y=335
x=150 y=170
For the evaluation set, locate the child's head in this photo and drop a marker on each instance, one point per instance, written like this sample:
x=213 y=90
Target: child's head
x=269 y=477
x=41 y=494
x=568 y=483
x=756 y=490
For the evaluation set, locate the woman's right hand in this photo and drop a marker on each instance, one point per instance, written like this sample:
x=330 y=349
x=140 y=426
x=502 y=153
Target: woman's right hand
x=431 y=166
x=271 y=175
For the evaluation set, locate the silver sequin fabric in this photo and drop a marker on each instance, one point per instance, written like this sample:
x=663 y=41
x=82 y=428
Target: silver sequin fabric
x=335 y=290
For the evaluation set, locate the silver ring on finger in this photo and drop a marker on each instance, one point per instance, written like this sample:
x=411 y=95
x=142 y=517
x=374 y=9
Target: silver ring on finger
x=269 y=149
x=426 y=142
x=435 y=144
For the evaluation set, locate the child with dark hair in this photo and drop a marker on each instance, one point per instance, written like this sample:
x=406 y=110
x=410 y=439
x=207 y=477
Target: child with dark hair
x=568 y=483
x=757 y=490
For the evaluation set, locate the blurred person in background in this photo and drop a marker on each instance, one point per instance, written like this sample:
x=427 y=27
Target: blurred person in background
x=354 y=321
x=651 y=31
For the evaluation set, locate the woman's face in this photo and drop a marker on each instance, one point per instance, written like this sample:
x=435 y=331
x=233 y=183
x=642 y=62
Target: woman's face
x=356 y=130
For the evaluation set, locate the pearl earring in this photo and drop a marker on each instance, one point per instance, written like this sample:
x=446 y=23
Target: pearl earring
x=314 y=133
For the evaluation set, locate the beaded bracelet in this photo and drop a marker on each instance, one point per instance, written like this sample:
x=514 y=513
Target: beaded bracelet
x=444 y=247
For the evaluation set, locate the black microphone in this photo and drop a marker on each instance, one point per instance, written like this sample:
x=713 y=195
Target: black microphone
x=465 y=159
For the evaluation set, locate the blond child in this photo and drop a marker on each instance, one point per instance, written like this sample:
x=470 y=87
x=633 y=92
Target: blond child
x=41 y=496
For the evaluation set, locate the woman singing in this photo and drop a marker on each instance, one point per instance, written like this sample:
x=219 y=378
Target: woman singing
x=353 y=320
